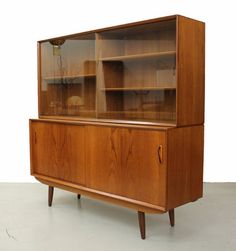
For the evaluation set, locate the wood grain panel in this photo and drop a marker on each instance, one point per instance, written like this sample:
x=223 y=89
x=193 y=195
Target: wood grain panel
x=57 y=151
x=185 y=165
x=124 y=162
x=103 y=162
x=191 y=71
x=143 y=177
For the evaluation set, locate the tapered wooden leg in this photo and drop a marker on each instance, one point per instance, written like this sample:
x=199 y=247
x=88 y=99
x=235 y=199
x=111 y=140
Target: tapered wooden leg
x=141 y=219
x=172 y=217
x=78 y=196
x=50 y=195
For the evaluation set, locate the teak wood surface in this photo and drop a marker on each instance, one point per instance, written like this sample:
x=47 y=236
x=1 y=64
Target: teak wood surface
x=131 y=167
x=159 y=168
x=190 y=71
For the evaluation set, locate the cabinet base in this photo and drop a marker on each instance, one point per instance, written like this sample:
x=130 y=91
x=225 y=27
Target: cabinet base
x=141 y=215
x=111 y=198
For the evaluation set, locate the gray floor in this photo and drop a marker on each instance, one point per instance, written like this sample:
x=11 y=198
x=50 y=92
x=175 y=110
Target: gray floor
x=27 y=224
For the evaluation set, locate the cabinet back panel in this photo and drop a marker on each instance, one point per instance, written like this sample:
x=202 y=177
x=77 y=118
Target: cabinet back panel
x=145 y=38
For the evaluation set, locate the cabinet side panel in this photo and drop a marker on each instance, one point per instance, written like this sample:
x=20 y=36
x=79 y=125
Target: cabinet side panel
x=31 y=142
x=185 y=165
x=191 y=72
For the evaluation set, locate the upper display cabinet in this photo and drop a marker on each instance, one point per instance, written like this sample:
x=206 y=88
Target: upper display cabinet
x=148 y=72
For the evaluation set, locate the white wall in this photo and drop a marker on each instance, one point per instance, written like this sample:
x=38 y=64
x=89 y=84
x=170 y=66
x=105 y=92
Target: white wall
x=23 y=22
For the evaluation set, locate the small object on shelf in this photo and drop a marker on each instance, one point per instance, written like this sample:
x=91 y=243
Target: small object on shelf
x=74 y=103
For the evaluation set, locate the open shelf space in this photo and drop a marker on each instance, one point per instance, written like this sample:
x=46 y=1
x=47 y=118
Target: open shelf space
x=149 y=40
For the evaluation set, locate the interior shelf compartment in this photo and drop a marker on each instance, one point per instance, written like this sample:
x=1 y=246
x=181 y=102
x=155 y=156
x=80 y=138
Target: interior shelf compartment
x=149 y=40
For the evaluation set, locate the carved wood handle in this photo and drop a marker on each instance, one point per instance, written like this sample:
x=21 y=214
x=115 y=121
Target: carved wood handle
x=159 y=154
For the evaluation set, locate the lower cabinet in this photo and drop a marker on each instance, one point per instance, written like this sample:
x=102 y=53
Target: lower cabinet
x=157 y=169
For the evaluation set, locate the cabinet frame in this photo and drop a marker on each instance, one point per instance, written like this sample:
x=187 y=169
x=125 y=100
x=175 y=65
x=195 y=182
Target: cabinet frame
x=174 y=148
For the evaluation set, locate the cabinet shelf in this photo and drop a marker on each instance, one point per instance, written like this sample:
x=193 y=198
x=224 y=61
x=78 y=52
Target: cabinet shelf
x=163 y=116
x=69 y=77
x=141 y=56
x=156 y=88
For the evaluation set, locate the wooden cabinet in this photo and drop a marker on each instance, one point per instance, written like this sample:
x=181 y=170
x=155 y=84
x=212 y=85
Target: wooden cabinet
x=121 y=114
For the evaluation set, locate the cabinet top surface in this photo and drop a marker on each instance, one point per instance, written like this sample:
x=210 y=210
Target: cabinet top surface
x=153 y=20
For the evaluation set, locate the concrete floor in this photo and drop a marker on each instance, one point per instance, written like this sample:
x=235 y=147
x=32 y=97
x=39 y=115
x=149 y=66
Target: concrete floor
x=27 y=224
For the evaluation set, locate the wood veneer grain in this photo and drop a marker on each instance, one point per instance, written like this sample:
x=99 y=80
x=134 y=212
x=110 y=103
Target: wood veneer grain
x=57 y=151
x=185 y=165
x=124 y=162
x=191 y=68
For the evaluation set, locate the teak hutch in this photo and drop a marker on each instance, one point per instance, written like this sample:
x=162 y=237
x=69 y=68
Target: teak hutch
x=121 y=115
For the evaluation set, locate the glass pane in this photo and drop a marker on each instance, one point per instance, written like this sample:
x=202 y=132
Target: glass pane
x=68 y=77
x=137 y=69
x=120 y=74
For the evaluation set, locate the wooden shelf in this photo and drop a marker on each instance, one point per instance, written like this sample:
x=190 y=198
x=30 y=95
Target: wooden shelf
x=140 y=56
x=69 y=77
x=168 y=87
x=153 y=116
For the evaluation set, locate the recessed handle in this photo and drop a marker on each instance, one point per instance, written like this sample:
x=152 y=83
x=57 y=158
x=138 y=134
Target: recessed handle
x=160 y=154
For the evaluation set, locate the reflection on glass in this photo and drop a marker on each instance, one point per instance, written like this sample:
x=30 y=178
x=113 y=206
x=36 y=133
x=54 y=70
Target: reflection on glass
x=68 y=77
x=119 y=74
x=138 y=69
